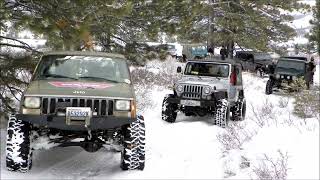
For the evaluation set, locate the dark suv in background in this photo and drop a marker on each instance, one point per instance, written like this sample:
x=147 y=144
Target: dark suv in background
x=285 y=72
x=258 y=62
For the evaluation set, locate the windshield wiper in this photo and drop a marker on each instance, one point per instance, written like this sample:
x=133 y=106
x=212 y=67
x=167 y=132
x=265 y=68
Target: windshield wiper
x=59 y=76
x=101 y=78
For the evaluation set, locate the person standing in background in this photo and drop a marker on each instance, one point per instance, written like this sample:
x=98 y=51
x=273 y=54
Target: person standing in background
x=223 y=53
x=311 y=67
x=210 y=51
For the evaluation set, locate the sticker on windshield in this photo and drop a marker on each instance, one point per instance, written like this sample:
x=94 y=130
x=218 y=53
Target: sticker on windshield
x=81 y=85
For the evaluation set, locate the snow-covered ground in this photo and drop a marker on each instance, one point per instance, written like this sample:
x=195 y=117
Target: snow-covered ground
x=192 y=148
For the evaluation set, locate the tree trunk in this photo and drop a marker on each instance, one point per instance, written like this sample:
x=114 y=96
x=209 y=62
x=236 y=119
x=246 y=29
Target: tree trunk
x=231 y=49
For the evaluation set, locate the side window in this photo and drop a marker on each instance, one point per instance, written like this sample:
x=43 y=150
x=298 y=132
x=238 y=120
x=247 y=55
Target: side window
x=239 y=76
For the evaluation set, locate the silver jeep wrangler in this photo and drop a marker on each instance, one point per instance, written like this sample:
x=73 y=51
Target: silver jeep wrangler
x=209 y=87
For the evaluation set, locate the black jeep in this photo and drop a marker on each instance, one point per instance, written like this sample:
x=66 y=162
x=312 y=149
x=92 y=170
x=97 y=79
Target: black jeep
x=258 y=62
x=285 y=72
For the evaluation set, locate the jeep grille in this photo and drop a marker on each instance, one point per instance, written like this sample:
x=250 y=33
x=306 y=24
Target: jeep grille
x=99 y=107
x=192 y=91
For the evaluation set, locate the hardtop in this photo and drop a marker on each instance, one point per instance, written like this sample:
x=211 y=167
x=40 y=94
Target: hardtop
x=84 y=53
x=291 y=59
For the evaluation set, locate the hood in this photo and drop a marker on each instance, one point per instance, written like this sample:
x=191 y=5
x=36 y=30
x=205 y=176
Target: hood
x=79 y=88
x=218 y=82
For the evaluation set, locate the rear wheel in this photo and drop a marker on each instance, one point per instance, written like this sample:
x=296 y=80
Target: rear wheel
x=18 y=151
x=133 y=154
x=222 y=115
x=169 y=110
x=269 y=86
x=260 y=72
x=239 y=110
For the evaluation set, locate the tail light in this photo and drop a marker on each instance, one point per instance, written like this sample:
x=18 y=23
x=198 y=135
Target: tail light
x=233 y=78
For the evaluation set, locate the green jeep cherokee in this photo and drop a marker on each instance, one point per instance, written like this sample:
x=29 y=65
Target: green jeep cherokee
x=78 y=99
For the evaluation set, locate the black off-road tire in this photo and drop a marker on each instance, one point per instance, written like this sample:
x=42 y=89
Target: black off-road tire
x=269 y=87
x=260 y=72
x=133 y=154
x=239 y=110
x=222 y=115
x=18 y=150
x=169 y=110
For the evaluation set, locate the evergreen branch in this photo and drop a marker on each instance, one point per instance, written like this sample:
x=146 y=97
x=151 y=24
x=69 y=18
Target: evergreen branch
x=24 y=46
x=17 y=46
x=12 y=89
x=6 y=104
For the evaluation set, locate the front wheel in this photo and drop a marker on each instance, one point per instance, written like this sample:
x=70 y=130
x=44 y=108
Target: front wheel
x=169 y=110
x=222 y=115
x=269 y=87
x=18 y=151
x=133 y=154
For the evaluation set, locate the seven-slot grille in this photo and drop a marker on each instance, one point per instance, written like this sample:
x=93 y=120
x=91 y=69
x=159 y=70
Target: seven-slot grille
x=102 y=107
x=192 y=91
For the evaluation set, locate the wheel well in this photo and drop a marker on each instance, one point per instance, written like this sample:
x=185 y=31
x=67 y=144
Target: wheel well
x=258 y=66
x=241 y=94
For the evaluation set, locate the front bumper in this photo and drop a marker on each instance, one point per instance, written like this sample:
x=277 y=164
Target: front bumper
x=59 y=122
x=203 y=103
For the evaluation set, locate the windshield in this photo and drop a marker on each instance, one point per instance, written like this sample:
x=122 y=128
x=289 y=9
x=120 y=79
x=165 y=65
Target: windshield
x=290 y=66
x=207 y=69
x=83 y=67
x=263 y=57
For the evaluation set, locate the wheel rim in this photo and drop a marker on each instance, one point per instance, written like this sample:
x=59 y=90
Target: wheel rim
x=240 y=110
x=258 y=72
x=226 y=115
x=243 y=110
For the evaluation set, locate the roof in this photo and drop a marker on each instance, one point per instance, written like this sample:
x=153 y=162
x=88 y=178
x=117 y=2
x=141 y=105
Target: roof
x=295 y=57
x=84 y=53
x=291 y=59
x=216 y=60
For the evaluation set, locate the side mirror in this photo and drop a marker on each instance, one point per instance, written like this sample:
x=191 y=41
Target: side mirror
x=179 y=70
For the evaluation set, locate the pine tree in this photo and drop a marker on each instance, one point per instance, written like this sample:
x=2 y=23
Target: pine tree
x=247 y=23
x=315 y=32
x=15 y=71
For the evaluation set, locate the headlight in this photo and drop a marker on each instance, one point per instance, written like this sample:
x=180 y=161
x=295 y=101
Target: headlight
x=288 y=77
x=32 y=102
x=282 y=76
x=278 y=76
x=206 y=90
x=294 y=77
x=179 y=88
x=123 y=105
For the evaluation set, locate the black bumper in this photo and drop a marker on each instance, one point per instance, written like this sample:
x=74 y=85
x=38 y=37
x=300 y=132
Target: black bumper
x=203 y=103
x=59 y=122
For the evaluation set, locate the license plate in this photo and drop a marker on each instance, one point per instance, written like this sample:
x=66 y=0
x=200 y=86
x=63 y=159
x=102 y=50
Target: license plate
x=78 y=114
x=78 y=111
x=190 y=102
